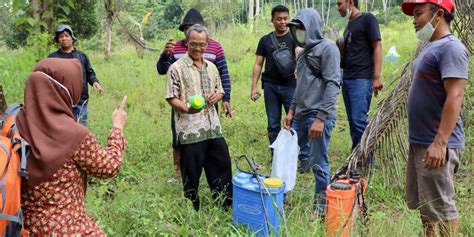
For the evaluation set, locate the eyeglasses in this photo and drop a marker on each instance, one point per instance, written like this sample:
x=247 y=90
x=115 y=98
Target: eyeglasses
x=194 y=45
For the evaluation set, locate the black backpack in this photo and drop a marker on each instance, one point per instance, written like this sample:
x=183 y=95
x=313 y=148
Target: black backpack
x=284 y=58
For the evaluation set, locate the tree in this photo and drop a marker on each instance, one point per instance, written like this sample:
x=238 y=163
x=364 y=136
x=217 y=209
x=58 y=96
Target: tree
x=110 y=9
x=164 y=15
x=36 y=17
x=83 y=18
x=251 y=13
x=42 y=16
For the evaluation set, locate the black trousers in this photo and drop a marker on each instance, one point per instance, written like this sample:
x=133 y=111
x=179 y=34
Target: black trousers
x=213 y=156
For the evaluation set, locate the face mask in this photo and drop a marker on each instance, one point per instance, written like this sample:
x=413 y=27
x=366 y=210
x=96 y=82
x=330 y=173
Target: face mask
x=348 y=14
x=425 y=33
x=300 y=37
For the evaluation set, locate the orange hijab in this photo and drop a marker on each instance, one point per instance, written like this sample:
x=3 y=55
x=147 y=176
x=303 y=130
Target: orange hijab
x=46 y=121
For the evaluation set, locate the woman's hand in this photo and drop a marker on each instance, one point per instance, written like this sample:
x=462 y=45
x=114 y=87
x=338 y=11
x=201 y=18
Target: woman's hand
x=119 y=116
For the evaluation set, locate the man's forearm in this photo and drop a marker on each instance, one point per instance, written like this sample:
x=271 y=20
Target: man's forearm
x=257 y=70
x=221 y=64
x=377 y=60
x=163 y=63
x=449 y=118
x=178 y=104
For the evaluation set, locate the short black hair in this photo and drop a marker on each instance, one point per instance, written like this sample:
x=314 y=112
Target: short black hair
x=356 y=3
x=279 y=8
x=56 y=35
x=448 y=17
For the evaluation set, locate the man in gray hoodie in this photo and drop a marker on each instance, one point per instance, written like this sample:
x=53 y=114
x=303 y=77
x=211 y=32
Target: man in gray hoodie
x=313 y=110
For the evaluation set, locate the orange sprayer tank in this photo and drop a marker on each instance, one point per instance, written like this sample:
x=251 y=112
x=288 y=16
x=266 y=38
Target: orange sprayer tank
x=343 y=198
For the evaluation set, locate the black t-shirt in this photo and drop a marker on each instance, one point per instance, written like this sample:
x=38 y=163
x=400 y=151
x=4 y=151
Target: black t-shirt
x=359 y=53
x=265 y=49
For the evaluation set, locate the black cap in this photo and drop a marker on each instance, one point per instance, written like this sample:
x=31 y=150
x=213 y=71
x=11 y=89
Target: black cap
x=192 y=17
x=62 y=28
x=294 y=23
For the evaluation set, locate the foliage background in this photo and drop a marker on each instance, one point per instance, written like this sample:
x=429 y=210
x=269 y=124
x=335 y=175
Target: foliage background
x=143 y=200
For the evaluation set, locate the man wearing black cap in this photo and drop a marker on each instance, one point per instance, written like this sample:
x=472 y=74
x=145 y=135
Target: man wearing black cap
x=64 y=36
x=214 y=53
x=313 y=111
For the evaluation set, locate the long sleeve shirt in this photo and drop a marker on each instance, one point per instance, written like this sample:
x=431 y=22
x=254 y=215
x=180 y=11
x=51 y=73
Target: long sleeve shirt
x=56 y=207
x=214 y=53
x=88 y=74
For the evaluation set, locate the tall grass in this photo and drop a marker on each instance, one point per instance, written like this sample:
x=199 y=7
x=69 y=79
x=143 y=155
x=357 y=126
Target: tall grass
x=143 y=200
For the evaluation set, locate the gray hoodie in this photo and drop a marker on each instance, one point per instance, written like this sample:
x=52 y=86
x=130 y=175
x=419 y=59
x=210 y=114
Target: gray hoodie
x=316 y=94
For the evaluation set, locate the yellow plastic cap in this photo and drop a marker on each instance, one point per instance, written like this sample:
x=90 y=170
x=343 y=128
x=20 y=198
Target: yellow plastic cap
x=198 y=101
x=273 y=182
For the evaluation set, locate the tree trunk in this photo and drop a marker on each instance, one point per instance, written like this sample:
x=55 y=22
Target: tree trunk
x=329 y=13
x=251 y=13
x=47 y=13
x=108 y=35
x=295 y=7
x=322 y=9
x=257 y=7
x=385 y=9
x=35 y=8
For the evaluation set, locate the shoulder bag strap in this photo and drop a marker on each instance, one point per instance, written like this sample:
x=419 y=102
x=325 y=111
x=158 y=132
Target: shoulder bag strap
x=273 y=38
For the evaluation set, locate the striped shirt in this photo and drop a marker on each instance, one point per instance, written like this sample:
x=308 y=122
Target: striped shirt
x=214 y=53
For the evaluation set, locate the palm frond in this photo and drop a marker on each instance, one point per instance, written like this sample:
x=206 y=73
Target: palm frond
x=385 y=137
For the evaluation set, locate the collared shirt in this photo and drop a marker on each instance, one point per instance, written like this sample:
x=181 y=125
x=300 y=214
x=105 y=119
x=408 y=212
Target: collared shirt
x=214 y=54
x=184 y=80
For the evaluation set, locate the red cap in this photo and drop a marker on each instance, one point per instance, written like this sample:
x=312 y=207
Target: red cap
x=408 y=5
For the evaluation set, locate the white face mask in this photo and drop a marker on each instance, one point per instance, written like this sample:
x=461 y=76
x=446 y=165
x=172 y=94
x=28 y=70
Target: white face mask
x=427 y=31
x=348 y=14
x=300 y=35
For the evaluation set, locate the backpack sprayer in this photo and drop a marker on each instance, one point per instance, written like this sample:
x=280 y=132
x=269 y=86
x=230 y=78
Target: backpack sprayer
x=344 y=197
x=257 y=200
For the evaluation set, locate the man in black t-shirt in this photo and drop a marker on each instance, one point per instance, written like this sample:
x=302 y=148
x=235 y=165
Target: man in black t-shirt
x=278 y=90
x=361 y=63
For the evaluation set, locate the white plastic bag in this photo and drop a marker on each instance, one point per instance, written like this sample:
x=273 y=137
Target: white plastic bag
x=392 y=55
x=285 y=157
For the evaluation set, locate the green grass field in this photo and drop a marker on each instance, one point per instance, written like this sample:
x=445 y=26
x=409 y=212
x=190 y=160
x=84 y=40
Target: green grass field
x=141 y=201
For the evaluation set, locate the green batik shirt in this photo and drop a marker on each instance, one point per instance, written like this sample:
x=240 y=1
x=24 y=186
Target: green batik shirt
x=185 y=80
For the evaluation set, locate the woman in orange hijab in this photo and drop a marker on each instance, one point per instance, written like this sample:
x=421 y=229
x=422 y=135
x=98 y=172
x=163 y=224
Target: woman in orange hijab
x=63 y=152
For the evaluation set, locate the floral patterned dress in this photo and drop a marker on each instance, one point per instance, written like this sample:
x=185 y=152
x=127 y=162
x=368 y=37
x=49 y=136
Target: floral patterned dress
x=56 y=207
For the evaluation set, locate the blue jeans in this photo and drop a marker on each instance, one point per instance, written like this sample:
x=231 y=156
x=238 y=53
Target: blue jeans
x=276 y=96
x=316 y=150
x=357 y=94
x=80 y=112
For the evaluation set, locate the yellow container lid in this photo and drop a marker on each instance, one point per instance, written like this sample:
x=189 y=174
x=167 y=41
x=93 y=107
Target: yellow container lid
x=273 y=182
